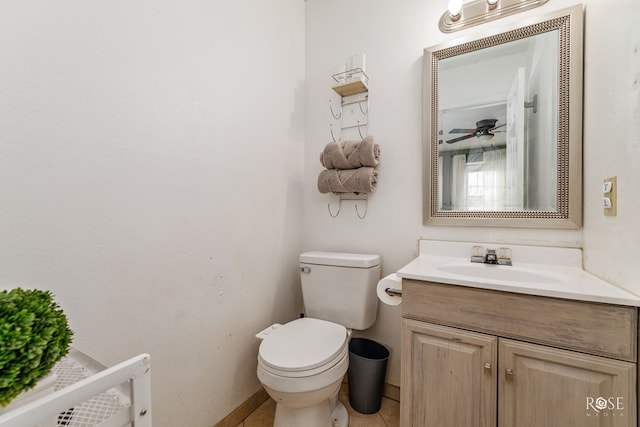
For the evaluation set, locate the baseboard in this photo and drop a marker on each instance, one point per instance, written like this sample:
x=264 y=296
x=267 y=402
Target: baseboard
x=244 y=410
x=391 y=391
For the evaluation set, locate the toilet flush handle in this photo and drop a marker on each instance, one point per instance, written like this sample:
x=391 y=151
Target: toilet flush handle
x=305 y=269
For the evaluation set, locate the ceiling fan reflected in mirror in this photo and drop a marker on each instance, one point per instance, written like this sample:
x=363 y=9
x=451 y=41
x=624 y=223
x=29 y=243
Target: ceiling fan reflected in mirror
x=484 y=131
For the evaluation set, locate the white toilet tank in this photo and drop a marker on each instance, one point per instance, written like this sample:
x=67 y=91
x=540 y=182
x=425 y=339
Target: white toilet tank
x=340 y=287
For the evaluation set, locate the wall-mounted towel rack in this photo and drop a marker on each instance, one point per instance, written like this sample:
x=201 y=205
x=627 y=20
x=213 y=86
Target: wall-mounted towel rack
x=343 y=176
x=338 y=115
x=360 y=126
x=351 y=196
x=353 y=88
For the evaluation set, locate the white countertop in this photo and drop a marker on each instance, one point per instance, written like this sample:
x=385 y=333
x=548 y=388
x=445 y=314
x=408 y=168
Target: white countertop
x=552 y=272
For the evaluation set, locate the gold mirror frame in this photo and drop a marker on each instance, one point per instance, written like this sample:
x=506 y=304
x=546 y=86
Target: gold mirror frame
x=569 y=23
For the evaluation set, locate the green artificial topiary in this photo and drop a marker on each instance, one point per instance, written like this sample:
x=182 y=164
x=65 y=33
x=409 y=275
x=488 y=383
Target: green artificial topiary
x=34 y=335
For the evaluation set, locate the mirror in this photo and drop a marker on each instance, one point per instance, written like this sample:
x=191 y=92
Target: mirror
x=503 y=126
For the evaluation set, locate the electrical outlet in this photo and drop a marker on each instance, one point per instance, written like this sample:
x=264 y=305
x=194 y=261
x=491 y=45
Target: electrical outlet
x=610 y=196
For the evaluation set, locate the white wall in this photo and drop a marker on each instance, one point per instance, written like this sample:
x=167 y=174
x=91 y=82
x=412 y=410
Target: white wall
x=151 y=158
x=151 y=161
x=393 y=38
x=612 y=139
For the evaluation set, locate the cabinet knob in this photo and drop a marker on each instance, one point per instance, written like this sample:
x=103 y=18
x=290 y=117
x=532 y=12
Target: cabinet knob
x=509 y=373
x=487 y=366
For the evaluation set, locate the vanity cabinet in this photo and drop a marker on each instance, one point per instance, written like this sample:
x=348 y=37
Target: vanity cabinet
x=480 y=358
x=543 y=386
x=450 y=376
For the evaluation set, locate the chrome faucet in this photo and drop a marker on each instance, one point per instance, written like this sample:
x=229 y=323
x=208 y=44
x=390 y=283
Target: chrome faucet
x=491 y=257
x=500 y=256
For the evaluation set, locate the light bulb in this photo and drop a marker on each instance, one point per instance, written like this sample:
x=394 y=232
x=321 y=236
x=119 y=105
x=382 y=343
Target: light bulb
x=454 y=7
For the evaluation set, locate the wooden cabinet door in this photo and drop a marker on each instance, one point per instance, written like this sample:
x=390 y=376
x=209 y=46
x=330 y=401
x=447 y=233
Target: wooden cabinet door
x=448 y=377
x=542 y=386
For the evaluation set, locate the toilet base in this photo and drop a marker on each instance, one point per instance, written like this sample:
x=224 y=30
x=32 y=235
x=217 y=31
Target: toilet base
x=315 y=416
x=297 y=412
x=318 y=415
x=339 y=416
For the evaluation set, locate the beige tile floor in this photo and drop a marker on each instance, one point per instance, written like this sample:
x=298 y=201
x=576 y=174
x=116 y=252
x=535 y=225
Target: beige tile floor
x=389 y=415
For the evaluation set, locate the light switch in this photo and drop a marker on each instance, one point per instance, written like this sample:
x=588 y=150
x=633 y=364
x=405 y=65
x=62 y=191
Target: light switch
x=609 y=196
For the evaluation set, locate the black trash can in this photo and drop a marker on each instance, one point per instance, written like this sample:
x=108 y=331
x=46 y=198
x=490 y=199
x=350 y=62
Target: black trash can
x=367 y=369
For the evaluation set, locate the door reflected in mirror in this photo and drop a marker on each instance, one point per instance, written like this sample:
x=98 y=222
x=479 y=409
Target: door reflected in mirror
x=502 y=142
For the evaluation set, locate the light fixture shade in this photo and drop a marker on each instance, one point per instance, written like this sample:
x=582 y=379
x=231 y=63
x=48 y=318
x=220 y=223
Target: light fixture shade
x=454 y=7
x=461 y=14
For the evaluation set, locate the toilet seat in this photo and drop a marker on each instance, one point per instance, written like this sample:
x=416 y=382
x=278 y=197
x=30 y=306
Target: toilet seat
x=303 y=347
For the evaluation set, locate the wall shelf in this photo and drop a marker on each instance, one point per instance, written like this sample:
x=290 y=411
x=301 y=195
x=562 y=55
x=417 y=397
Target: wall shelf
x=351 y=82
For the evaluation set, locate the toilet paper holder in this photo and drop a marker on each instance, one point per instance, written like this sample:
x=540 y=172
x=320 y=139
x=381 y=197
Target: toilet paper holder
x=392 y=292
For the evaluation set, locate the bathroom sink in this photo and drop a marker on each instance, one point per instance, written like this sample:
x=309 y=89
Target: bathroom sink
x=537 y=270
x=498 y=272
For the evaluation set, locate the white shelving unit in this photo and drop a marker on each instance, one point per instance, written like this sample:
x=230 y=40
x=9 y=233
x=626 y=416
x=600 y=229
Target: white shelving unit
x=88 y=394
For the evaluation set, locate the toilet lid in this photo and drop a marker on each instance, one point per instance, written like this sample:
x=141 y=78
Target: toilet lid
x=303 y=344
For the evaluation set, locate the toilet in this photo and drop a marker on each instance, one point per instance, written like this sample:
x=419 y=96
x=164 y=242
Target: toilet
x=301 y=364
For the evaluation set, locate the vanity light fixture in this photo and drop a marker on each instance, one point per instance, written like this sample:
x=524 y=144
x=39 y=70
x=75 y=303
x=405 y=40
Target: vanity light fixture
x=454 y=8
x=460 y=15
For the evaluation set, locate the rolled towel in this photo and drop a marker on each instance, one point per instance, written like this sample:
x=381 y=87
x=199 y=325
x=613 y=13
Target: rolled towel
x=351 y=154
x=361 y=180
